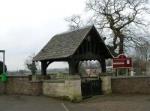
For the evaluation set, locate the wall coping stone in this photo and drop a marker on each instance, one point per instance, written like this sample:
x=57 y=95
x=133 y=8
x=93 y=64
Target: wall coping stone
x=36 y=81
x=129 y=77
x=21 y=76
x=55 y=81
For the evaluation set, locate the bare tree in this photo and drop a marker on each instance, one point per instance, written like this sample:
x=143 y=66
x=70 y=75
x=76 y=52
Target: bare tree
x=141 y=56
x=143 y=51
x=124 y=19
x=75 y=22
x=32 y=66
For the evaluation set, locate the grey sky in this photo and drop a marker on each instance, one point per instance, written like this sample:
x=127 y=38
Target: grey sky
x=27 y=25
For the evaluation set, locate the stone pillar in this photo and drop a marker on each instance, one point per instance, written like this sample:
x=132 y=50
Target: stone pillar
x=73 y=89
x=67 y=89
x=106 y=84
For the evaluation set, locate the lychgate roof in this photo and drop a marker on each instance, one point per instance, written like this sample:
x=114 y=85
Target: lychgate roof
x=64 y=45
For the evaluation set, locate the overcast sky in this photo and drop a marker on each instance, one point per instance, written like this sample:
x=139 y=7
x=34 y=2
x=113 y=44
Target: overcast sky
x=27 y=25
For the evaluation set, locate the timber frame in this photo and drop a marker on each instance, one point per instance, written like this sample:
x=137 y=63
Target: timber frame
x=79 y=45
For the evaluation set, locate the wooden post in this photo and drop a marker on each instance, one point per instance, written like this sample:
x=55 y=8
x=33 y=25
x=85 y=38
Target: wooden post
x=117 y=72
x=103 y=65
x=73 y=67
x=43 y=68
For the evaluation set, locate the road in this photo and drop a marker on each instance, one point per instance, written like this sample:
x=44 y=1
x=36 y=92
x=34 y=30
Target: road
x=126 y=102
x=38 y=103
x=97 y=103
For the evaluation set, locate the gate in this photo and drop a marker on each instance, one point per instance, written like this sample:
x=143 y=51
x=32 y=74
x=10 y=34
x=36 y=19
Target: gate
x=90 y=86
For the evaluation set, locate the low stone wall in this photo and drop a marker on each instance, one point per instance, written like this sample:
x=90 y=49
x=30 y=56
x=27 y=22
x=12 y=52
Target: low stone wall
x=21 y=85
x=130 y=85
x=68 y=89
x=2 y=88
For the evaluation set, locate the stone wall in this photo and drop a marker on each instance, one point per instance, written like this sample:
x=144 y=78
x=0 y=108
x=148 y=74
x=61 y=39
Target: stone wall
x=68 y=89
x=22 y=85
x=71 y=88
x=2 y=88
x=130 y=85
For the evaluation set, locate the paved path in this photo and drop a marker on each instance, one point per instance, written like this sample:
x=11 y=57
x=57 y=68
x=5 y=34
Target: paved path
x=38 y=103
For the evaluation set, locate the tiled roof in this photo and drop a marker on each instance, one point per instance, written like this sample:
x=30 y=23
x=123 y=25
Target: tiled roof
x=63 y=45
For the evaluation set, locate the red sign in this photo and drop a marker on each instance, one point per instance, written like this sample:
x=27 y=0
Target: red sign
x=122 y=62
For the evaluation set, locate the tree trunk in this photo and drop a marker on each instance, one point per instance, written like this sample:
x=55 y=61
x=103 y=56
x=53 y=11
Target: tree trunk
x=121 y=45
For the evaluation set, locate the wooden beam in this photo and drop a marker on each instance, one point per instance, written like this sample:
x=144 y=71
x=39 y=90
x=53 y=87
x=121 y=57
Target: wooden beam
x=86 y=56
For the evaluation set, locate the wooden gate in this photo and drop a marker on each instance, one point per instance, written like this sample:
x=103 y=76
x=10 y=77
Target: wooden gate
x=90 y=86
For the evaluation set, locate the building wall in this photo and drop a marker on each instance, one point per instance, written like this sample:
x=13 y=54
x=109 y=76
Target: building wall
x=130 y=85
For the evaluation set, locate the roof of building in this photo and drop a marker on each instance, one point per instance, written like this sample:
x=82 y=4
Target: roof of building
x=64 y=45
